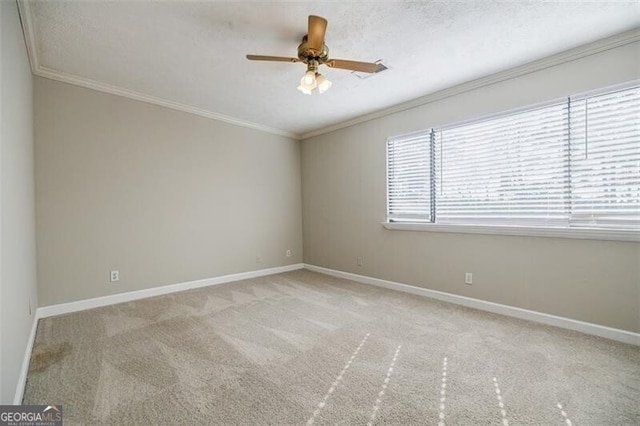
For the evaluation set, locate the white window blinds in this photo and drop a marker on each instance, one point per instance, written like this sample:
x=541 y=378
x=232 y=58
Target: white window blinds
x=605 y=160
x=507 y=170
x=409 y=171
x=574 y=163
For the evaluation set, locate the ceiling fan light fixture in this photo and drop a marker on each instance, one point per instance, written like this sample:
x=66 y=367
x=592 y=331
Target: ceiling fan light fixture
x=323 y=83
x=304 y=90
x=313 y=52
x=308 y=82
x=309 y=79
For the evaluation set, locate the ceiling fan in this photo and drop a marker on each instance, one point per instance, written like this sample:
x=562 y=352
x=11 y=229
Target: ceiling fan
x=313 y=52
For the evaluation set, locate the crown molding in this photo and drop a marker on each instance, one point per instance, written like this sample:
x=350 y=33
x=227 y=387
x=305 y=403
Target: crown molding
x=119 y=91
x=26 y=19
x=26 y=16
x=589 y=49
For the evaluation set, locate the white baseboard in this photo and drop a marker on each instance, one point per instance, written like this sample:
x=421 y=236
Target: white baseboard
x=81 y=305
x=24 y=368
x=568 y=323
x=52 y=310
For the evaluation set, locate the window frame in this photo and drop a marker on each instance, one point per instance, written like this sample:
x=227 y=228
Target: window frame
x=589 y=233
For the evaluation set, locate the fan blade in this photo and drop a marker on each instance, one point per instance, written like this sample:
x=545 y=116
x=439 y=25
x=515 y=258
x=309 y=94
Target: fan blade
x=317 y=29
x=271 y=58
x=352 y=65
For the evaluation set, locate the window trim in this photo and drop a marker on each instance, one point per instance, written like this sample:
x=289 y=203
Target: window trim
x=625 y=235
x=519 y=231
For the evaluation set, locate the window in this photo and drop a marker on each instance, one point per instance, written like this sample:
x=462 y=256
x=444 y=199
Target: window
x=568 y=164
x=410 y=171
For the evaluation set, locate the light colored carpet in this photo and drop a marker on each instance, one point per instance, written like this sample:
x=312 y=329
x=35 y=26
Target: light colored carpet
x=302 y=347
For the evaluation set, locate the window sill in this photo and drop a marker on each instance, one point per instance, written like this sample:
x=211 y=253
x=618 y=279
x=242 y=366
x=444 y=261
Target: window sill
x=575 y=233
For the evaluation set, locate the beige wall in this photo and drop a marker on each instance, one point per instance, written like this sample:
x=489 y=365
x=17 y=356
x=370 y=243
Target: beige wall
x=344 y=204
x=18 y=298
x=160 y=195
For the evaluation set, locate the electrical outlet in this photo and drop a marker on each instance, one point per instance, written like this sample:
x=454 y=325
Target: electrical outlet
x=258 y=260
x=115 y=276
x=29 y=307
x=288 y=253
x=359 y=261
x=468 y=278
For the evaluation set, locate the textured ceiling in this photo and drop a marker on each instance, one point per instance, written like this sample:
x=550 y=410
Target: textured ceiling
x=193 y=53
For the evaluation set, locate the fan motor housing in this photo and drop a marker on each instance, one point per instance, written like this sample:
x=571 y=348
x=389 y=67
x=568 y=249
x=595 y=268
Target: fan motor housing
x=306 y=54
